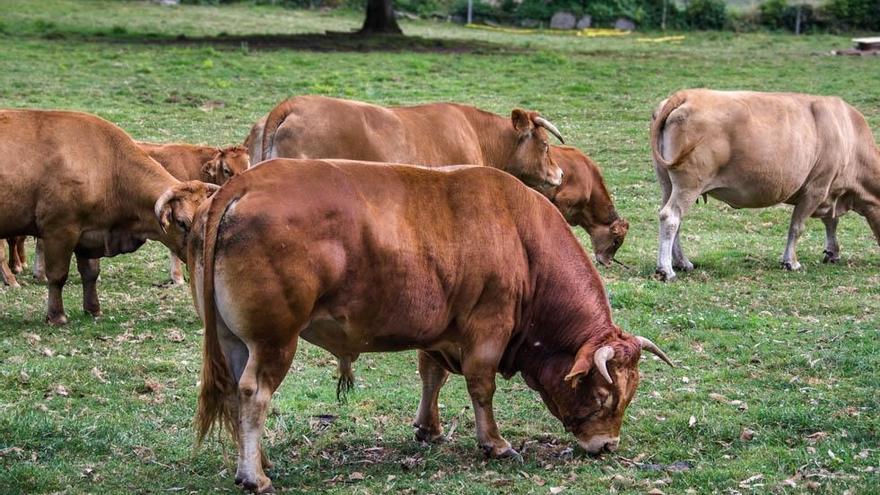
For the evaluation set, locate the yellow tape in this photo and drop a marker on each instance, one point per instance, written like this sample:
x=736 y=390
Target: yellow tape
x=660 y=40
x=589 y=33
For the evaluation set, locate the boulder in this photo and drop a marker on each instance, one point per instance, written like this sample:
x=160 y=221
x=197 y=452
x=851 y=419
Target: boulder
x=585 y=22
x=530 y=23
x=624 y=24
x=563 y=20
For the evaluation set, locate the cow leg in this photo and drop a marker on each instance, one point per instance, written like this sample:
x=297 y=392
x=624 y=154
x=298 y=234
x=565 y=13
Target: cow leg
x=39 y=262
x=799 y=216
x=479 y=368
x=5 y=273
x=20 y=251
x=58 y=250
x=427 y=423
x=89 y=269
x=678 y=204
x=16 y=263
x=873 y=217
x=267 y=364
x=832 y=248
x=679 y=260
x=175 y=269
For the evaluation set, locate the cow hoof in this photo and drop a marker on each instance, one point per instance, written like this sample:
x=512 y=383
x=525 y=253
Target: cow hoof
x=664 y=275
x=263 y=486
x=13 y=283
x=511 y=454
x=95 y=312
x=428 y=435
x=177 y=281
x=16 y=269
x=830 y=257
x=685 y=266
x=57 y=320
x=791 y=266
x=41 y=279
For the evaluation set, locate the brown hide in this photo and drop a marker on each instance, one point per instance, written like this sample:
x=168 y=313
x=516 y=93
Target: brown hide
x=435 y=134
x=584 y=201
x=754 y=150
x=196 y=162
x=467 y=265
x=83 y=185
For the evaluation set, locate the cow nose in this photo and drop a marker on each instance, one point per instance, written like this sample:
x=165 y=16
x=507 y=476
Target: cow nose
x=556 y=179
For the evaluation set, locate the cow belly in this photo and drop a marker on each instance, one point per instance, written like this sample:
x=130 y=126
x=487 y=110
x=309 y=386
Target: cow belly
x=341 y=338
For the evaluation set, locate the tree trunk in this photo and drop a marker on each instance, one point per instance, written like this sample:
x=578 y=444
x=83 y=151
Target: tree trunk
x=380 y=18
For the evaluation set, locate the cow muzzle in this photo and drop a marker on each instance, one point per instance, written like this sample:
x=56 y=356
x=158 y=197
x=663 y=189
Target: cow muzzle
x=554 y=177
x=599 y=444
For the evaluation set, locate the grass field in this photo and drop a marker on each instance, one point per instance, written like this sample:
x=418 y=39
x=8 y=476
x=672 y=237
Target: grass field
x=105 y=406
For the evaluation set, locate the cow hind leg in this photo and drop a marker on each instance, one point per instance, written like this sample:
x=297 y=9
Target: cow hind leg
x=427 y=422
x=20 y=252
x=16 y=262
x=266 y=367
x=678 y=204
x=175 y=269
x=39 y=262
x=802 y=210
x=5 y=273
x=832 y=247
x=89 y=269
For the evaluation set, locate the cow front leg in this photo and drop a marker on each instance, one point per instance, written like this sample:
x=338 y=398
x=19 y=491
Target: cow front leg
x=872 y=215
x=175 y=269
x=89 y=269
x=16 y=250
x=20 y=252
x=480 y=377
x=832 y=248
x=5 y=273
x=57 y=251
x=427 y=423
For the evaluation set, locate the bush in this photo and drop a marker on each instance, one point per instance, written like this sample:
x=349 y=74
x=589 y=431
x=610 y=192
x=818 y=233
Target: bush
x=772 y=13
x=706 y=14
x=854 y=14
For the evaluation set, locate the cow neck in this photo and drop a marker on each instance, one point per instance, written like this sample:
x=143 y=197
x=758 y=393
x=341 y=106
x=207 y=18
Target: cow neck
x=600 y=199
x=568 y=306
x=143 y=180
x=494 y=133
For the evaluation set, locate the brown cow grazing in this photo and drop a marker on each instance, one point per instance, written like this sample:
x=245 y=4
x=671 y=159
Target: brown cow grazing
x=754 y=150
x=432 y=135
x=185 y=162
x=194 y=162
x=584 y=201
x=84 y=186
x=467 y=265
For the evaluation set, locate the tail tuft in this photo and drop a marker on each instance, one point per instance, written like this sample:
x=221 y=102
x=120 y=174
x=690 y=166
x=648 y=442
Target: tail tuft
x=345 y=383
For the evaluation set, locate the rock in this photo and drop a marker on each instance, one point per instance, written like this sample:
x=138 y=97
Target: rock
x=167 y=2
x=530 y=23
x=585 y=22
x=563 y=20
x=624 y=24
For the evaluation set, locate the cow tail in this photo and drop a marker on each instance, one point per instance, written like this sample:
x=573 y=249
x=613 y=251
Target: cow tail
x=273 y=121
x=216 y=397
x=659 y=122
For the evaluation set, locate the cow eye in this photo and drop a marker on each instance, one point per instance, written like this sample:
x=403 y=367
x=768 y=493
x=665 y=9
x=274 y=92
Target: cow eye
x=181 y=224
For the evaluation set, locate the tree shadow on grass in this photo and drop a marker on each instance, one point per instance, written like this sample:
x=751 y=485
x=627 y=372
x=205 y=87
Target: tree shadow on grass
x=330 y=41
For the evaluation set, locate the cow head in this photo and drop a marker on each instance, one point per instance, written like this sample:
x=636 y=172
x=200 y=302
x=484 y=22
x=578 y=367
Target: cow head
x=590 y=392
x=530 y=161
x=584 y=201
x=176 y=209
x=225 y=164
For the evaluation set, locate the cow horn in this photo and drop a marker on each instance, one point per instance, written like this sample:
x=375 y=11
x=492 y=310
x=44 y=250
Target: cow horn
x=541 y=121
x=653 y=349
x=600 y=359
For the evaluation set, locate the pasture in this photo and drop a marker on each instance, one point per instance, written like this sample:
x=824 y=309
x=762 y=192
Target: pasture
x=106 y=405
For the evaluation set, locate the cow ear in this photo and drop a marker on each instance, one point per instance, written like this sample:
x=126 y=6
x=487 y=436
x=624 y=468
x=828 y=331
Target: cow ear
x=522 y=120
x=583 y=362
x=210 y=170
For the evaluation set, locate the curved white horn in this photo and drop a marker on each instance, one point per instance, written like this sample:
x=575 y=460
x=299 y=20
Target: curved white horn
x=649 y=346
x=160 y=205
x=600 y=359
x=541 y=121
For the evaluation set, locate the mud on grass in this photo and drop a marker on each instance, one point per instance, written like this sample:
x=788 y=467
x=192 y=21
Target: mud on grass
x=776 y=385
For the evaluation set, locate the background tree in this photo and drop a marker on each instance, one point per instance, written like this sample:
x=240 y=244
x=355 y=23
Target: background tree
x=380 y=18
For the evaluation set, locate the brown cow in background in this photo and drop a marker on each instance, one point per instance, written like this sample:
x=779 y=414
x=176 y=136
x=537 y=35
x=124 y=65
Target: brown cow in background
x=432 y=135
x=487 y=278
x=185 y=162
x=84 y=186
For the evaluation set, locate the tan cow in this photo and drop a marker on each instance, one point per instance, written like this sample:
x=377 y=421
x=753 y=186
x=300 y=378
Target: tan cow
x=467 y=265
x=435 y=134
x=754 y=150
x=185 y=162
x=83 y=185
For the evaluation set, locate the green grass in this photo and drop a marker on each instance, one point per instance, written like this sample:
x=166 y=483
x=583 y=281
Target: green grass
x=800 y=350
